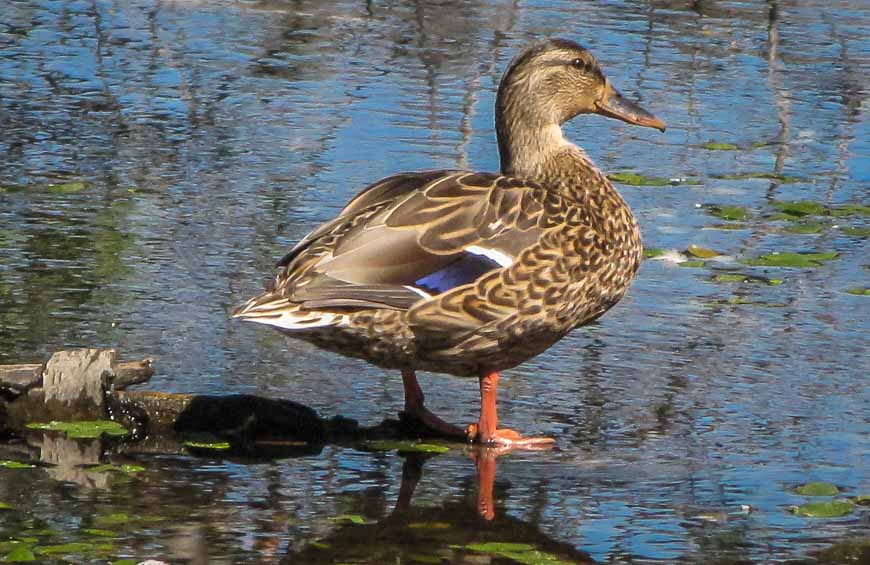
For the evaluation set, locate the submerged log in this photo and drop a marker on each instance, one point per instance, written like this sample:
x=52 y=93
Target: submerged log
x=83 y=385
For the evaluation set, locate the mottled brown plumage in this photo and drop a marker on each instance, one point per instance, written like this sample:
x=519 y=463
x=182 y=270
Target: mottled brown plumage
x=472 y=273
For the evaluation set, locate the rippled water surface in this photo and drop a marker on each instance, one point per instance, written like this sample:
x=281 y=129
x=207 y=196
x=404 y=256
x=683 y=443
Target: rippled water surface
x=156 y=157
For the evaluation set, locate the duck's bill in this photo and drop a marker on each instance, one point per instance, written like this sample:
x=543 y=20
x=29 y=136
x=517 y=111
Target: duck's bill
x=619 y=107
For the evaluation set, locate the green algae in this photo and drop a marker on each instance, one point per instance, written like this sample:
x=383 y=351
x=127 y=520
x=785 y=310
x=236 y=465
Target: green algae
x=6 y=506
x=799 y=208
x=737 y=213
x=789 y=259
x=817 y=489
x=97 y=532
x=319 y=545
x=66 y=187
x=827 y=509
x=851 y=210
x=859 y=291
x=113 y=519
x=730 y=227
x=82 y=429
x=862 y=499
x=692 y=264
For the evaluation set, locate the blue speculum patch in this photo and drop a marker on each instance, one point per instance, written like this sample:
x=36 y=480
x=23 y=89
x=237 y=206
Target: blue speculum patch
x=464 y=270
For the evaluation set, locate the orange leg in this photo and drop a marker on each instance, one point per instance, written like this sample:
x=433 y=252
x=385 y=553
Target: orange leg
x=415 y=409
x=486 y=431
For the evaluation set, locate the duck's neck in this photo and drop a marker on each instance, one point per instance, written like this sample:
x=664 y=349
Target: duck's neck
x=543 y=155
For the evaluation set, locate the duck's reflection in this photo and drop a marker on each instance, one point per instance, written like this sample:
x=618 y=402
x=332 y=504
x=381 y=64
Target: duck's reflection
x=454 y=532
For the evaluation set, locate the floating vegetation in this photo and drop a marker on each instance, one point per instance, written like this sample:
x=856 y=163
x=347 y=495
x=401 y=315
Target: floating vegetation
x=319 y=545
x=83 y=429
x=114 y=519
x=817 y=489
x=518 y=552
x=653 y=252
x=634 y=179
x=719 y=146
x=215 y=445
x=781 y=179
x=418 y=558
x=805 y=227
x=349 y=519
x=742 y=301
x=728 y=212
x=429 y=526
x=799 y=208
x=851 y=210
x=732 y=226
x=856 y=231
x=20 y=555
x=99 y=533
x=125 y=468
x=828 y=509
x=407 y=446
x=744 y=278
x=6 y=506
x=16 y=465
x=701 y=252
x=862 y=499
x=692 y=264
x=788 y=259
x=859 y=291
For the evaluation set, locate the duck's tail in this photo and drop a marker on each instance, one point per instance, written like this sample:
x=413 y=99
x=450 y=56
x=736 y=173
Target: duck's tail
x=275 y=310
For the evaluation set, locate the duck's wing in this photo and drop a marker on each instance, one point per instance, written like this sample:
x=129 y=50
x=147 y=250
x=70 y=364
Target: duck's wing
x=410 y=238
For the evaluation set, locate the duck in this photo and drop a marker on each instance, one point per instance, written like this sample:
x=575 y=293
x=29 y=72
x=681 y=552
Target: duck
x=472 y=273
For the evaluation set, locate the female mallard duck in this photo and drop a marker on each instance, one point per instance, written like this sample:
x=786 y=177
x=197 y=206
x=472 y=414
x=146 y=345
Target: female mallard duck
x=472 y=273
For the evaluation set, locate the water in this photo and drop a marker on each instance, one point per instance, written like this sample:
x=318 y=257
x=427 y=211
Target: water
x=212 y=135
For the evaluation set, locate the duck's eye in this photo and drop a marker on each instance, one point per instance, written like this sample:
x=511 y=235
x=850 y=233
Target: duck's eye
x=578 y=64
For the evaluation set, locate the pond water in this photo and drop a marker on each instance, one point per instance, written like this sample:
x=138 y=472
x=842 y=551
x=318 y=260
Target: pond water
x=158 y=156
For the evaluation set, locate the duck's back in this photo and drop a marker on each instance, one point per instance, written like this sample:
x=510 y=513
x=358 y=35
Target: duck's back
x=444 y=270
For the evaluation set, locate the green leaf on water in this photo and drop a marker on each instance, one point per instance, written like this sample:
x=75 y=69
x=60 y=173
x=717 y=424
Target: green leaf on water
x=349 y=519
x=731 y=227
x=743 y=278
x=728 y=212
x=653 y=252
x=817 y=489
x=805 y=227
x=6 y=506
x=82 y=429
x=851 y=210
x=635 y=179
x=718 y=146
x=858 y=291
x=828 y=509
x=862 y=499
x=99 y=533
x=407 y=446
x=856 y=232
x=20 y=555
x=692 y=264
x=701 y=252
x=788 y=259
x=217 y=445
x=114 y=519
x=319 y=545
x=16 y=465
x=799 y=208
x=517 y=552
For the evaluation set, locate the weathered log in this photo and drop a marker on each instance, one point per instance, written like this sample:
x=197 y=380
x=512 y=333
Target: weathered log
x=18 y=379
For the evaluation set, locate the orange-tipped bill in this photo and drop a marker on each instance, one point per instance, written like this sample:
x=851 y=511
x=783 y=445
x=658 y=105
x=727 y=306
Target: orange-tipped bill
x=614 y=105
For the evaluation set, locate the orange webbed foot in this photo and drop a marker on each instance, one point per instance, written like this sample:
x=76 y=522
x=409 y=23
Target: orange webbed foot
x=507 y=438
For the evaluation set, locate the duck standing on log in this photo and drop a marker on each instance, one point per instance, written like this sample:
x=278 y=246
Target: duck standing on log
x=473 y=273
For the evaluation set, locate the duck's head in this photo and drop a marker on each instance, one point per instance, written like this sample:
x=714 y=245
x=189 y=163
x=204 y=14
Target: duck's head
x=555 y=80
